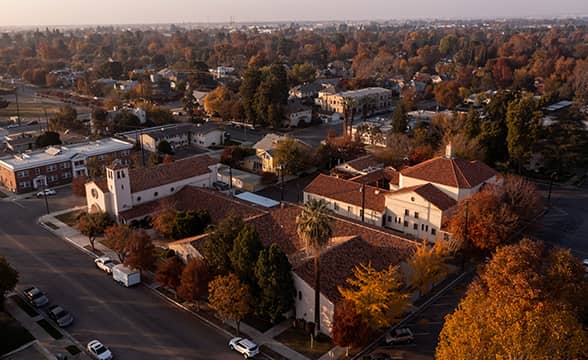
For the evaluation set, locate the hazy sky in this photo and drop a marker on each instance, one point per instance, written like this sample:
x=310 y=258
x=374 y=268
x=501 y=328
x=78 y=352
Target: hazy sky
x=65 y=12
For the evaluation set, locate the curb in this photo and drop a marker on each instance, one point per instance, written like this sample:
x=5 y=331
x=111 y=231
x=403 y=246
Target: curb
x=177 y=304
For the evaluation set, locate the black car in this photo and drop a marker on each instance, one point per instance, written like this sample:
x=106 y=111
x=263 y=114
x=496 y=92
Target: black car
x=60 y=316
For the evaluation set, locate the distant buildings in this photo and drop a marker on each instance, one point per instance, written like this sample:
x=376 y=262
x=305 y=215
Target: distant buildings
x=181 y=135
x=373 y=100
x=57 y=165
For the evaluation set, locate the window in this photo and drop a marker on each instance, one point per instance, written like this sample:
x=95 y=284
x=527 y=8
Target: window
x=100 y=157
x=415 y=226
x=53 y=178
x=433 y=231
x=23 y=173
x=51 y=168
x=412 y=198
x=65 y=165
x=172 y=189
x=349 y=209
x=37 y=171
x=406 y=212
x=24 y=184
x=405 y=223
x=79 y=163
x=422 y=226
x=335 y=206
x=65 y=175
x=361 y=213
x=156 y=194
x=416 y=215
x=299 y=295
x=138 y=198
x=390 y=218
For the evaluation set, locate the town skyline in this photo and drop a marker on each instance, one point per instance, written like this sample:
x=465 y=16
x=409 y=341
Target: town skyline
x=68 y=12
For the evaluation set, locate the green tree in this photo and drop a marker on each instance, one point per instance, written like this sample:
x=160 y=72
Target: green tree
x=140 y=251
x=248 y=92
x=303 y=73
x=313 y=226
x=230 y=298
x=400 y=118
x=99 y=121
x=189 y=223
x=8 y=279
x=245 y=252
x=219 y=243
x=271 y=97
x=194 y=281
x=274 y=277
x=523 y=119
x=48 y=138
x=377 y=295
x=93 y=224
x=164 y=147
x=292 y=155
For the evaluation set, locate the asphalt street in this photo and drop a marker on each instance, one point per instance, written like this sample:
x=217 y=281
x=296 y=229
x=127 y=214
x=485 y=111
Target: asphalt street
x=134 y=323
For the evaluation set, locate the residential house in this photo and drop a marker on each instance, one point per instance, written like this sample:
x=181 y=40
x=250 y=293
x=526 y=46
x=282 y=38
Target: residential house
x=374 y=100
x=58 y=165
x=296 y=113
x=264 y=159
x=182 y=135
x=361 y=166
x=124 y=190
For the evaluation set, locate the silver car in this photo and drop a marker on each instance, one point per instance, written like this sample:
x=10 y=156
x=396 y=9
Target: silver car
x=60 y=316
x=35 y=296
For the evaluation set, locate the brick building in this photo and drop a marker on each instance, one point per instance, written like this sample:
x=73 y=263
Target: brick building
x=58 y=165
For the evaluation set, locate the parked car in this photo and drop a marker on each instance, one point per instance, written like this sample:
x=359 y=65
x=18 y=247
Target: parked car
x=220 y=185
x=245 y=347
x=400 y=336
x=60 y=316
x=35 y=296
x=377 y=356
x=105 y=263
x=125 y=276
x=99 y=351
x=46 y=192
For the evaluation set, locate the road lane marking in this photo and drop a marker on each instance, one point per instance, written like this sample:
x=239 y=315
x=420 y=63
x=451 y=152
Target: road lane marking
x=18 y=204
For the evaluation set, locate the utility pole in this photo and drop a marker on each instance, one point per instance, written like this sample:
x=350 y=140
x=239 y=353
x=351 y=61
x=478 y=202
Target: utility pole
x=17 y=105
x=362 y=190
x=230 y=179
x=45 y=195
x=282 y=176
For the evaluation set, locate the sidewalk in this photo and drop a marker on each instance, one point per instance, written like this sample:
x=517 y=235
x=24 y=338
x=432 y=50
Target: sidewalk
x=50 y=345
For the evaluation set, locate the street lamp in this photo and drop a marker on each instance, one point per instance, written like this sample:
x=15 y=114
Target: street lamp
x=553 y=175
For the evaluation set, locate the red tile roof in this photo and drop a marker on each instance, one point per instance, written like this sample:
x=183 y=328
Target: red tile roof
x=352 y=243
x=192 y=198
x=455 y=172
x=430 y=193
x=146 y=178
x=348 y=191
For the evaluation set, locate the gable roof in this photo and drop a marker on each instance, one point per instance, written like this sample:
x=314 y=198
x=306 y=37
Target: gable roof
x=268 y=142
x=454 y=172
x=348 y=192
x=188 y=198
x=147 y=178
x=430 y=193
x=365 y=163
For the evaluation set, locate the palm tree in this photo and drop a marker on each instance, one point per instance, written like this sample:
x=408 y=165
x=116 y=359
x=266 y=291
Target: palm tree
x=314 y=228
x=348 y=114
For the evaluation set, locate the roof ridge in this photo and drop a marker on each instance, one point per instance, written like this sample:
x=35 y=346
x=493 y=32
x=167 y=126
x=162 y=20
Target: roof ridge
x=462 y=174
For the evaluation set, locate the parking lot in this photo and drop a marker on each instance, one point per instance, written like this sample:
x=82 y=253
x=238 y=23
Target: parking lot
x=426 y=326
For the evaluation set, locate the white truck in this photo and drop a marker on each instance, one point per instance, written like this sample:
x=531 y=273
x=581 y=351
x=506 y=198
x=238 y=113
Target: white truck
x=125 y=276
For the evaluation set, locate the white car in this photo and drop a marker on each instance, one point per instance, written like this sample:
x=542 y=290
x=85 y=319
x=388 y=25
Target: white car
x=99 y=351
x=245 y=347
x=46 y=192
x=105 y=263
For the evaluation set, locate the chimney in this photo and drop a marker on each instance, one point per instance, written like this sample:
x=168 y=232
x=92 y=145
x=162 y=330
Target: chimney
x=449 y=151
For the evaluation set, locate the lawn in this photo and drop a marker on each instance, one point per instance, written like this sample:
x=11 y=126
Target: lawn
x=298 y=340
x=70 y=218
x=258 y=323
x=12 y=334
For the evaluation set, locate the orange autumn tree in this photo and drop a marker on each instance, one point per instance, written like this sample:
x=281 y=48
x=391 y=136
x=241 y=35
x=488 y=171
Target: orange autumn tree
x=527 y=303
x=230 y=298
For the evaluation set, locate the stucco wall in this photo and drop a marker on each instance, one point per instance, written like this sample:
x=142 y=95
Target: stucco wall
x=304 y=305
x=348 y=210
x=429 y=216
